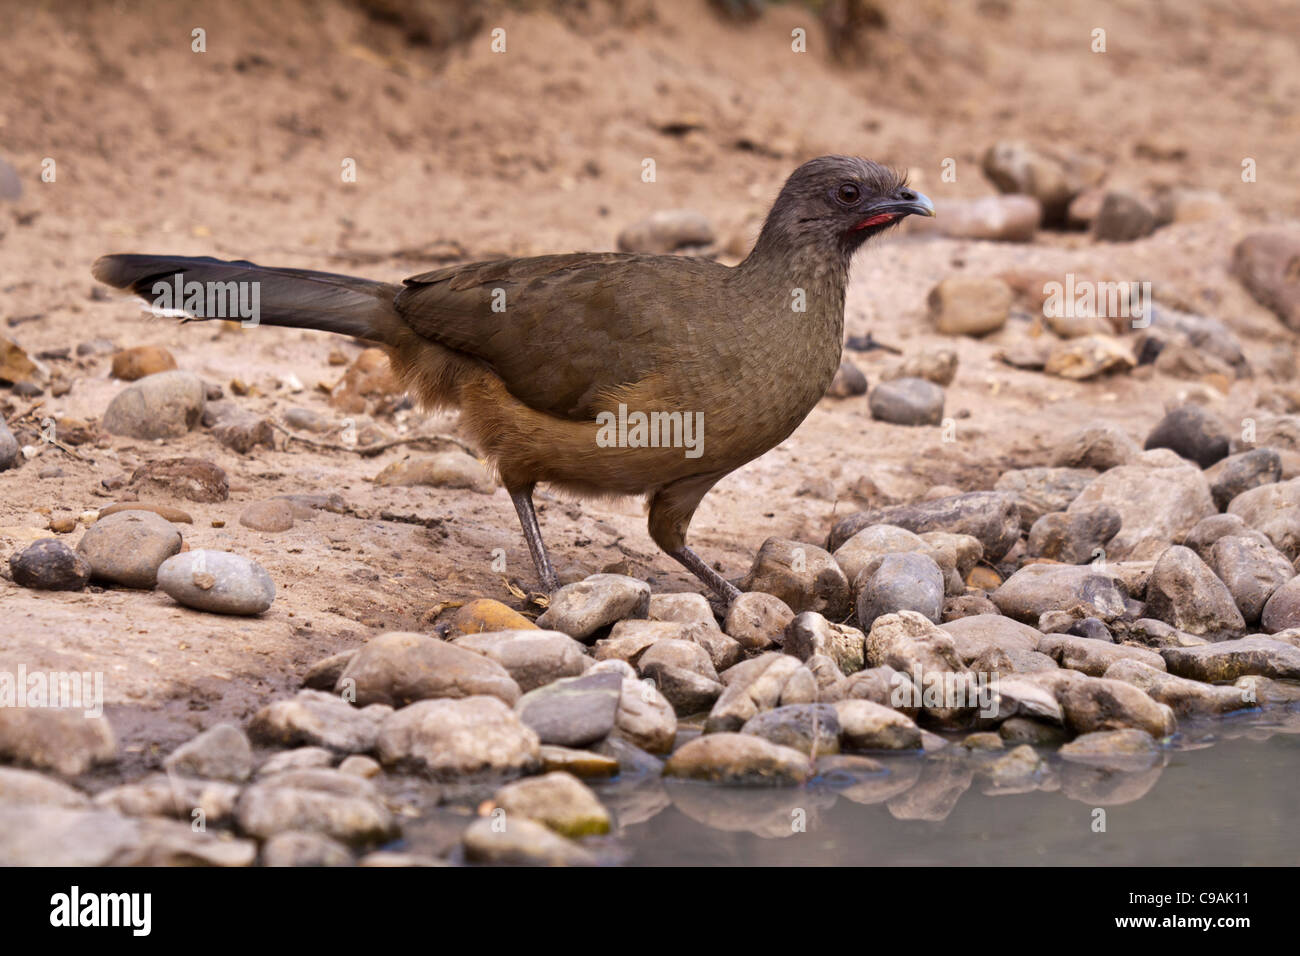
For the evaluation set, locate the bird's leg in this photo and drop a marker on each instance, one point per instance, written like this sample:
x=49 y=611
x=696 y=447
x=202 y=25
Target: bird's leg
x=523 y=499
x=719 y=585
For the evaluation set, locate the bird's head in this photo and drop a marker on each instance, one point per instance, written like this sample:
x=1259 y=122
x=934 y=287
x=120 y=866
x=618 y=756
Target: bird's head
x=832 y=204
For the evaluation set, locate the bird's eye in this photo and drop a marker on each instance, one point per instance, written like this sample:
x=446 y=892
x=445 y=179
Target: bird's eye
x=848 y=194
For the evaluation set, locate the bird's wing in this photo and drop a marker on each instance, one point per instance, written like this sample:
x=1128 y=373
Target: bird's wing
x=560 y=331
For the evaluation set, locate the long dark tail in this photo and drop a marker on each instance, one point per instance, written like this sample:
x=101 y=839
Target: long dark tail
x=292 y=298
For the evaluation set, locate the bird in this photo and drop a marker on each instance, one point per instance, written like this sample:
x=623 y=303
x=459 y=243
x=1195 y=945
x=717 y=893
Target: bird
x=602 y=374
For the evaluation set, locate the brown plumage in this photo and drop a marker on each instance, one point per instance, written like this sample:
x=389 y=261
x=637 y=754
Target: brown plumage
x=532 y=351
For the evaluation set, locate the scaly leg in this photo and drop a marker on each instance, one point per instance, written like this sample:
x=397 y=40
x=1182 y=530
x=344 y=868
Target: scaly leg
x=523 y=500
x=719 y=585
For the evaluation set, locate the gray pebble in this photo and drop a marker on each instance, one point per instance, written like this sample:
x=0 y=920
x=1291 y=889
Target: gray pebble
x=217 y=581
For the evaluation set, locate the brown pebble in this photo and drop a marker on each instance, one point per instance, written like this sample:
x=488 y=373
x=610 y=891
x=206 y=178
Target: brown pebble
x=171 y=514
x=135 y=363
x=63 y=524
x=275 y=514
x=218 y=523
x=982 y=577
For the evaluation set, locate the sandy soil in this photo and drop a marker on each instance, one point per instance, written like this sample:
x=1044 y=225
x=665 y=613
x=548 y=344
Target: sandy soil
x=463 y=152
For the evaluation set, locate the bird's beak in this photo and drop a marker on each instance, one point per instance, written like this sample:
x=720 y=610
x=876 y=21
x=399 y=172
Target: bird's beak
x=919 y=206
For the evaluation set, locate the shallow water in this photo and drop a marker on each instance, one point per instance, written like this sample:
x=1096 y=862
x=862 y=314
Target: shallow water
x=1222 y=792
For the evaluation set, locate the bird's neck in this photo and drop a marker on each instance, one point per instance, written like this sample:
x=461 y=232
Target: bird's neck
x=798 y=277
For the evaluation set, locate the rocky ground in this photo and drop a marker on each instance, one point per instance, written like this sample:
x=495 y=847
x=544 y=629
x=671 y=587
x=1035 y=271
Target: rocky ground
x=306 y=601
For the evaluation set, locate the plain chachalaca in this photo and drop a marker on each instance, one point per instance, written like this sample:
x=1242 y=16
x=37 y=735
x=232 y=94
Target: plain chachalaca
x=541 y=354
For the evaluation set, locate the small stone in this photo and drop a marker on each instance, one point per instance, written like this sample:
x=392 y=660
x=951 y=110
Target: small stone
x=738 y=760
x=867 y=725
x=804 y=576
x=522 y=842
x=666 y=231
x=1275 y=511
x=752 y=686
x=1193 y=433
x=127 y=548
x=1076 y=538
x=848 y=381
x=242 y=432
x=872 y=542
x=272 y=515
x=307 y=419
x=1229 y=660
x=361 y=766
x=1097 y=703
x=400 y=667
x=757 y=620
x=686 y=607
x=171 y=795
x=1184 y=593
x=163 y=405
x=1252 y=569
x=1239 y=473
x=66 y=741
x=969 y=305
x=1099 y=447
x=1040 y=491
x=581 y=609
x=901 y=581
x=1106 y=746
x=448 y=469
x=573 y=711
x=451 y=738
x=907 y=401
x=1038 y=588
x=296 y=848
x=135 y=363
x=29 y=788
x=299 y=758
x=1186 y=697
x=174 y=515
x=999 y=218
x=341 y=806
x=807 y=728
x=1017 y=167
x=532 y=656
x=1264 y=262
x=217 y=581
x=937 y=365
x=1160 y=498
x=809 y=634
x=645 y=717
x=991 y=517
x=484 y=614
x=195 y=479
x=1088 y=357
x=220 y=753
x=1282 y=612
x=1094 y=657
x=584 y=764
x=49 y=565
x=1123 y=217
x=558 y=800
x=314 y=718
x=369 y=378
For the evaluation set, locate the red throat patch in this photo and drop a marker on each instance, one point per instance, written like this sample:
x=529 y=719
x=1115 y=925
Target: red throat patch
x=876 y=220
